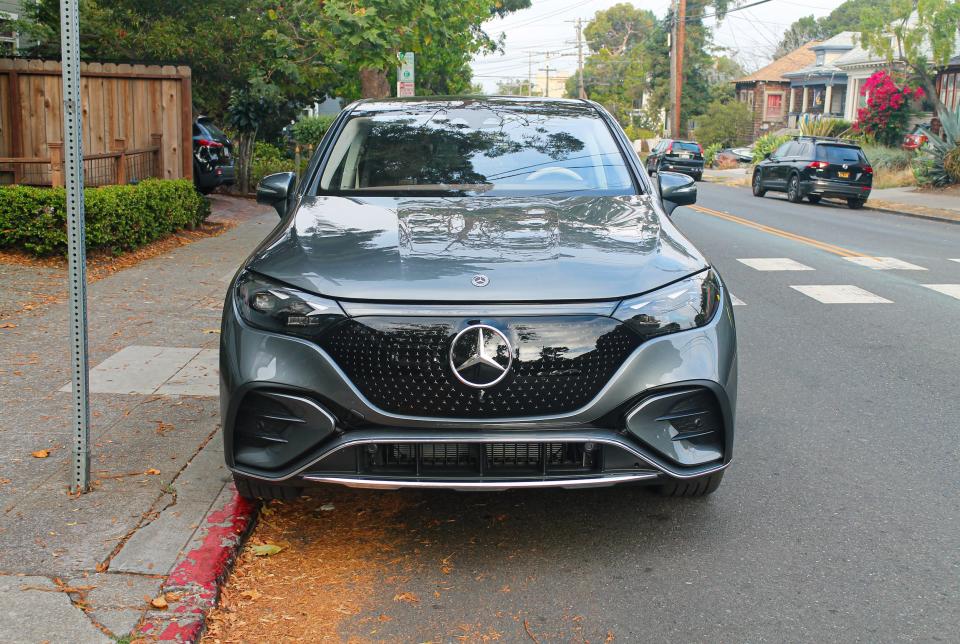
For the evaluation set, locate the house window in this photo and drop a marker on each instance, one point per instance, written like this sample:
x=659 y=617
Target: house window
x=950 y=89
x=774 y=107
x=9 y=41
x=820 y=55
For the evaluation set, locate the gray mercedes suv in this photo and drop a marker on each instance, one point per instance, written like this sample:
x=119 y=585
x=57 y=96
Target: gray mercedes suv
x=476 y=293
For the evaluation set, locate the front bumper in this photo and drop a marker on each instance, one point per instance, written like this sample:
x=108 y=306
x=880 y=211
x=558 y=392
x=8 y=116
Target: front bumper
x=355 y=443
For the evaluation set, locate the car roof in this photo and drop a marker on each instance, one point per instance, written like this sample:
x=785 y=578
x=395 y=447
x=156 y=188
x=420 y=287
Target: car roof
x=427 y=104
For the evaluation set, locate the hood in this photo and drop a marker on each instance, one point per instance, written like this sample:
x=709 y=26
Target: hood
x=429 y=249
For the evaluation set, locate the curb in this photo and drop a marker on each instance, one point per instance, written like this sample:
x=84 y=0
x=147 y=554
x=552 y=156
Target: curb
x=197 y=576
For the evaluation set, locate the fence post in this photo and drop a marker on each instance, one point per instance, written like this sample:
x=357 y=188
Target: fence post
x=120 y=162
x=56 y=165
x=156 y=142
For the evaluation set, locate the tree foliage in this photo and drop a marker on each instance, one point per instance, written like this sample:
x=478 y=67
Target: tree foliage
x=846 y=17
x=725 y=123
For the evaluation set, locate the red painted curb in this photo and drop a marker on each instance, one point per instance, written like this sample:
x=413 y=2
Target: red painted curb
x=199 y=573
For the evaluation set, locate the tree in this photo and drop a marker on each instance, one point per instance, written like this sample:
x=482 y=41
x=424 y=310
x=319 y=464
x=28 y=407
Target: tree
x=920 y=35
x=727 y=123
x=846 y=17
x=514 y=88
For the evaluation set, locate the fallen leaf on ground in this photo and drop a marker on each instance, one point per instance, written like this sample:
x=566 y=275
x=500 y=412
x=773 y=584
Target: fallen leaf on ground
x=159 y=602
x=211 y=330
x=327 y=507
x=172 y=597
x=40 y=453
x=251 y=594
x=384 y=618
x=152 y=471
x=266 y=549
x=410 y=598
x=8 y=325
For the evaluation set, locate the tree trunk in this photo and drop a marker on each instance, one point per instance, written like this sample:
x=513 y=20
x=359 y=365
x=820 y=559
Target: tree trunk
x=245 y=160
x=374 y=84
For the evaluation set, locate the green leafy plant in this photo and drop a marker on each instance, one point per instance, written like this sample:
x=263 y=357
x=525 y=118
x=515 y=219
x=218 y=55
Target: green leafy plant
x=931 y=164
x=824 y=127
x=309 y=130
x=887 y=112
x=118 y=218
x=636 y=133
x=710 y=153
x=766 y=144
x=883 y=157
x=725 y=122
x=268 y=159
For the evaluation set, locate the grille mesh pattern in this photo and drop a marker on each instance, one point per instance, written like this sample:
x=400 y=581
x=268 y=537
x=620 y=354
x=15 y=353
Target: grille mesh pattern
x=402 y=365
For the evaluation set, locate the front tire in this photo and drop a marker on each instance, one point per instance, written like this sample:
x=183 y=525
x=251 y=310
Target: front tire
x=692 y=488
x=260 y=491
x=855 y=204
x=758 y=190
x=793 y=190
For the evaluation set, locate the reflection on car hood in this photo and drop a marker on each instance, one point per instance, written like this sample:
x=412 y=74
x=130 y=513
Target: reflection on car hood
x=428 y=249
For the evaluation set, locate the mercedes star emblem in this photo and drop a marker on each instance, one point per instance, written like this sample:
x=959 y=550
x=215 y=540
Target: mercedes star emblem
x=480 y=280
x=480 y=356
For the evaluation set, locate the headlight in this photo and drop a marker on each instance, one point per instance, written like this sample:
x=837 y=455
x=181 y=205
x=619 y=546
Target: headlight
x=271 y=306
x=688 y=304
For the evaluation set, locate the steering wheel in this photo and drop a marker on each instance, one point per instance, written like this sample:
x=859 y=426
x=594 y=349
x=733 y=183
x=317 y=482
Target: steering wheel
x=554 y=169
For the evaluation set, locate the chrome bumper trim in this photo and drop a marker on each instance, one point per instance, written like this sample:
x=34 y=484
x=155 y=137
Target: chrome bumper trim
x=488 y=486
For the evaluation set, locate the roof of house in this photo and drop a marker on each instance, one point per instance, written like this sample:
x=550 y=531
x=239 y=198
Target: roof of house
x=796 y=59
x=843 y=41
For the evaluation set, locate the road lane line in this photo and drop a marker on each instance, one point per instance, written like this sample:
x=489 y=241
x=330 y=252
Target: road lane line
x=840 y=294
x=953 y=290
x=773 y=264
x=884 y=263
x=736 y=301
x=830 y=248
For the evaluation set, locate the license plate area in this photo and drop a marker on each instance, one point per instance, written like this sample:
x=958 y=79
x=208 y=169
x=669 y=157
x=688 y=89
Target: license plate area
x=843 y=175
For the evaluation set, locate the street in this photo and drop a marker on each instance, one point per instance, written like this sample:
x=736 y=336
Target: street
x=839 y=519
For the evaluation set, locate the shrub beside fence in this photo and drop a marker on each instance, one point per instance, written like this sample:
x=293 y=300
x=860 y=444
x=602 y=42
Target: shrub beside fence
x=118 y=218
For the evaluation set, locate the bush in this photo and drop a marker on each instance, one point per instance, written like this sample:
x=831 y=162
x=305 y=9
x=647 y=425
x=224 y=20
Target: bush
x=710 y=153
x=118 y=218
x=310 y=129
x=887 y=158
x=767 y=143
x=727 y=123
x=824 y=127
x=930 y=166
x=268 y=159
x=951 y=163
x=887 y=112
x=635 y=133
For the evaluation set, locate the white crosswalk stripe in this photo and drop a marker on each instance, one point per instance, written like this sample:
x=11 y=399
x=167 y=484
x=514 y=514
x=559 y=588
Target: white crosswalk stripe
x=956 y=260
x=736 y=301
x=953 y=290
x=884 y=263
x=774 y=264
x=840 y=294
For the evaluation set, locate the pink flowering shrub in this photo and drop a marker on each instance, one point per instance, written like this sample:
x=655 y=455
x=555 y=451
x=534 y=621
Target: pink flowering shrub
x=887 y=112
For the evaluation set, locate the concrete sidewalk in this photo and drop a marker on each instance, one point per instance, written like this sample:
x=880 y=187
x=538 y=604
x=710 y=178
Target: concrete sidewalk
x=83 y=568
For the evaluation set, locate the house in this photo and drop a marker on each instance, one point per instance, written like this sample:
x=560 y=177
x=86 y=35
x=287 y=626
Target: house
x=820 y=88
x=766 y=91
x=10 y=10
x=948 y=84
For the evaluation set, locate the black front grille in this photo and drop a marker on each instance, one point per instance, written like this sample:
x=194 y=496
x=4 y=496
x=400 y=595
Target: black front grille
x=402 y=365
x=472 y=460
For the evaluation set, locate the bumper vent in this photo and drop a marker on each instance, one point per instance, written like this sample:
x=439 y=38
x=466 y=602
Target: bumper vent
x=471 y=460
x=402 y=364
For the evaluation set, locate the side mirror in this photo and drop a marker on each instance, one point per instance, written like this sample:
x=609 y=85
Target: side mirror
x=676 y=190
x=276 y=189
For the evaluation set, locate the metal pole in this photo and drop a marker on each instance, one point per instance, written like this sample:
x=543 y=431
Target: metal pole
x=581 y=92
x=76 y=239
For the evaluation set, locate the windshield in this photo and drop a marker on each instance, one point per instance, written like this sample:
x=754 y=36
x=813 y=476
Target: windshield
x=683 y=146
x=476 y=149
x=840 y=154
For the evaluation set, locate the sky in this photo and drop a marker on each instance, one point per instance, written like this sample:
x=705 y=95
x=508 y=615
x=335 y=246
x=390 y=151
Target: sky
x=751 y=35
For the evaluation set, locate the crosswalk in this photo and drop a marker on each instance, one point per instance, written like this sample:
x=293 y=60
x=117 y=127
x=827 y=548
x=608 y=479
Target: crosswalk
x=844 y=293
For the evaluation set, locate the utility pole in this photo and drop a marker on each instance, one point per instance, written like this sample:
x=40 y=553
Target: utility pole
x=677 y=41
x=581 y=92
x=529 y=74
x=547 y=70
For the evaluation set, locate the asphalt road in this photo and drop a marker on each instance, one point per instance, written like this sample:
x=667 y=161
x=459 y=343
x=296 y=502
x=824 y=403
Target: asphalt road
x=839 y=519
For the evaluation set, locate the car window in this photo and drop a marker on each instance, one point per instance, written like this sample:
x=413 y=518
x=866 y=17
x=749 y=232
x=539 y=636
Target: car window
x=806 y=151
x=793 y=149
x=212 y=129
x=782 y=150
x=840 y=154
x=680 y=146
x=476 y=149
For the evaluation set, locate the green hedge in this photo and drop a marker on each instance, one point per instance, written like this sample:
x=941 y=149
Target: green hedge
x=118 y=218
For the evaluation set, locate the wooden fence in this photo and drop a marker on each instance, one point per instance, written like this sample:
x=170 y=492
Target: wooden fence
x=137 y=122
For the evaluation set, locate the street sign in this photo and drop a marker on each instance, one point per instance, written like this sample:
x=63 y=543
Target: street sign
x=406 y=76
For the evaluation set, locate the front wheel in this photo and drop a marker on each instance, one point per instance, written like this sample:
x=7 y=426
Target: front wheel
x=855 y=204
x=793 y=190
x=758 y=190
x=691 y=488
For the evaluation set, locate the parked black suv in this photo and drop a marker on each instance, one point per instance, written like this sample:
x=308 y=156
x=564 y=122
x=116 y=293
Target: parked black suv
x=212 y=156
x=815 y=167
x=674 y=155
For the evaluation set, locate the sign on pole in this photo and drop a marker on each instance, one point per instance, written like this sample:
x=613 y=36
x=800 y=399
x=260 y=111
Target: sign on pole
x=406 y=77
x=76 y=239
